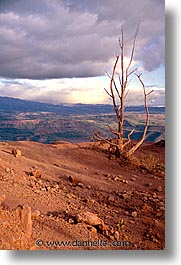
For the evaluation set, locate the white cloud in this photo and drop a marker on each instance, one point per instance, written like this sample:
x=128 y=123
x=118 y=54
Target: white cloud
x=75 y=90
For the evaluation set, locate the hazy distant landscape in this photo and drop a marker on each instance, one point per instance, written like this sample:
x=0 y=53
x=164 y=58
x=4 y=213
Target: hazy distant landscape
x=46 y=123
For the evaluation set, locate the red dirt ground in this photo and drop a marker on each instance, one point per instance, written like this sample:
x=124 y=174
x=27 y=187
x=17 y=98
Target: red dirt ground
x=129 y=197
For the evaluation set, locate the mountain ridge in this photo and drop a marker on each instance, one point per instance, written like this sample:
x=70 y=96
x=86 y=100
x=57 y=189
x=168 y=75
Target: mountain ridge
x=16 y=104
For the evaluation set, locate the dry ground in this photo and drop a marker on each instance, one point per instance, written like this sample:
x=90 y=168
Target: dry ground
x=128 y=197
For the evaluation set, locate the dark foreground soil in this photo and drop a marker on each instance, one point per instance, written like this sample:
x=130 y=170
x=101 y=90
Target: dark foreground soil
x=73 y=180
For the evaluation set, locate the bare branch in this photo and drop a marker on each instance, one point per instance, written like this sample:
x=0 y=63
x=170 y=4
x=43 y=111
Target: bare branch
x=139 y=143
x=132 y=72
x=149 y=92
x=116 y=89
x=129 y=139
x=112 y=130
x=111 y=87
x=105 y=140
x=129 y=82
x=108 y=75
x=119 y=79
x=126 y=93
x=108 y=92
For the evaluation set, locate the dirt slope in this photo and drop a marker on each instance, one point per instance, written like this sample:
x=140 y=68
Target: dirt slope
x=79 y=179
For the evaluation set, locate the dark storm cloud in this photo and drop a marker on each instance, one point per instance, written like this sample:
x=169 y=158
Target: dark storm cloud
x=54 y=39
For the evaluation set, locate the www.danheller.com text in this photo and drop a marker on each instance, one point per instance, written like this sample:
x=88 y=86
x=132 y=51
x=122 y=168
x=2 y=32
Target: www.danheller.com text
x=83 y=243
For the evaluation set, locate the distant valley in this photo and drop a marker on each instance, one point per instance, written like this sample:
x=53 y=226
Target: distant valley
x=46 y=123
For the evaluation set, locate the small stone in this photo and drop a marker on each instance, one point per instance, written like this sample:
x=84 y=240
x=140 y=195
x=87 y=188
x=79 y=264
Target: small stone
x=147 y=209
x=162 y=208
x=159 y=189
x=92 y=229
x=111 y=198
x=80 y=184
x=74 y=179
x=37 y=191
x=2 y=198
x=55 y=187
x=149 y=184
x=70 y=221
x=36 y=173
x=133 y=179
x=35 y=214
x=89 y=187
x=88 y=218
x=111 y=238
x=116 y=235
x=157 y=236
x=124 y=196
x=16 y=152
x=134 y=214
x=7 y=170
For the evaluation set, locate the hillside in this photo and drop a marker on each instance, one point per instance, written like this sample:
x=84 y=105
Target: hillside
x=15 y=104
x=76 y=193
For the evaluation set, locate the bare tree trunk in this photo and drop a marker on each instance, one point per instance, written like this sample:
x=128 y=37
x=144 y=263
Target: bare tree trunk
x=118 y=100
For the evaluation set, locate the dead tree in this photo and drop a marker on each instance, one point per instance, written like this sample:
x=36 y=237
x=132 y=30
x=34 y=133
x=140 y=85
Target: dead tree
x=118 y=96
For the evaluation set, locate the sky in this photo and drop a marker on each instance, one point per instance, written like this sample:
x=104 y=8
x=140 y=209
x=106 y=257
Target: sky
x=59 y=51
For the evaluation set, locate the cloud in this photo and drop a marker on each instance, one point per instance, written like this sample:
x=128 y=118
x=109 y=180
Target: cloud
x=74 y=38
x=78 y=90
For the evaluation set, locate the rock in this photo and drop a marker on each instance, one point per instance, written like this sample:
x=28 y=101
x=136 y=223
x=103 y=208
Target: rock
x=134 y=214
x=124 y=196
x=7 y=170
x=89 y=218
x=162 y=208
x=26 y=220
x=111 y=198
x=124 y=181
x=55 y=187
x=89 y=187
x=74 y=180
x=133 y=179
x=70 y=221
x=116 y=235
x=111 y=238
x=147 y=209
x=36 y=173
x=92 y=229
x=80 y=184
x=35 y=214
x=2 y=198
x=16 y=152
x=149 y=184
x=159 y=189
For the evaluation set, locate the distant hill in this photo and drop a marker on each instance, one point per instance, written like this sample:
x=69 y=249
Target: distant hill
x=14 y=104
